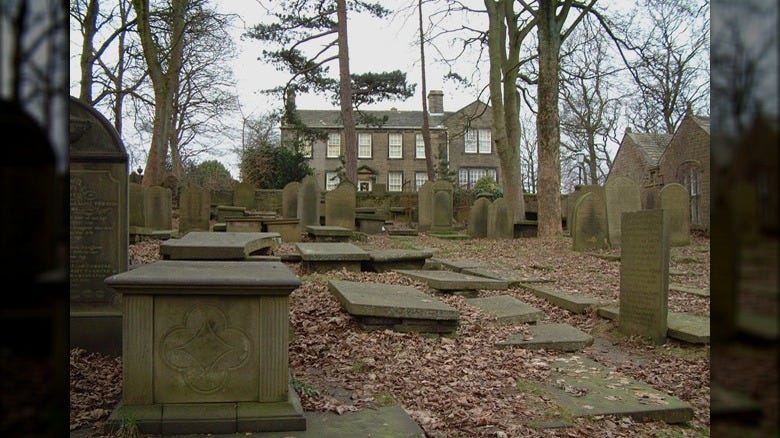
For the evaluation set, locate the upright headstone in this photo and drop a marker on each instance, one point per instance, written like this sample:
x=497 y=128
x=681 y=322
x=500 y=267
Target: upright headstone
x=290 y=200
x=340 y=206
x=590 y=223
x=98 y=228
x=644 y=274
x=442 y=206
x=244 y=196
x=425 y=206
x=158 y=208
x=676 y=202
x=500 y=224
x=194 y=209
x=478 y=218
x=578 y=193
x=136 y=205
x=621 y=195
x=309 y=202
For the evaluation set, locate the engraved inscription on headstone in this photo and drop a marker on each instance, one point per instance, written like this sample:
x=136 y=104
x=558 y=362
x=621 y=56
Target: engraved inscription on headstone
x=644 y=274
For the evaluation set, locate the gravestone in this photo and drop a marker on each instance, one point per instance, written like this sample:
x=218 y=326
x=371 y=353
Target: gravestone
x=621 y=195
x=290 y=200
x=676 y=202
x=571 y=216
x=136 y=205
x=309 y=202
x=244 y=196
x=499 y=223
x=98 y=228
x=644 y=274
x=478 y=218
x=590 y=223
x=158 y=208
x=442 y=206
x=269 y=200
x=340 y=206
x=425 y=206
x=194 y=209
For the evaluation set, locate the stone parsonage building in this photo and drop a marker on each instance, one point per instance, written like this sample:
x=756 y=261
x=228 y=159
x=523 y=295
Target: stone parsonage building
x=393 y=154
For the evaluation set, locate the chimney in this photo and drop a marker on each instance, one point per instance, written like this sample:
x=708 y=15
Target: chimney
x=436 y=102
x=290 y=98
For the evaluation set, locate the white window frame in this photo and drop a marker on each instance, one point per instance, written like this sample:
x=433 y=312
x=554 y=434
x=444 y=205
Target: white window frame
x=470 y=141
x=395 y=186
x=484 y=141
x=395 y=142
x=333 y=149
x=468 y=176
x=420 y=178
x=331 y=181
x=419 y=147
x=364 y=141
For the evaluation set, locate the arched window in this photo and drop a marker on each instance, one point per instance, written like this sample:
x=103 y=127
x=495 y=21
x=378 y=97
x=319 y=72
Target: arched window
x=689 y=175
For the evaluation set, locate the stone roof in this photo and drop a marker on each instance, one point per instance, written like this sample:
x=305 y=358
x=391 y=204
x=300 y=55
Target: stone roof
x=395 y=118
x=651 y=145
x=703 y=121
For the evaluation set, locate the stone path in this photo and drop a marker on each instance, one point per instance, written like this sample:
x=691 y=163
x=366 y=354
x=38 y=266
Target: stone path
x=205 y=245
x=507 y=309
x=448 y=281
x=576 y=303
x=559 y=337
x=682 y=326
x=379 y=306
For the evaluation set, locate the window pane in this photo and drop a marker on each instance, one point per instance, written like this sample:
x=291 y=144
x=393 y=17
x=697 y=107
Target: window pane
x=331 y=180
x=470 y=138
x=394 y=181
x=420 y=178
x=334 y=145
x=395 y=146
x=463 y=177
x=419 y=146
x=492 y=173
x=485 y=145
x=364 y=145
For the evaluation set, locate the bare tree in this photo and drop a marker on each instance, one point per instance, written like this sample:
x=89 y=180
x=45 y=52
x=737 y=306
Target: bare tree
x=426 y=128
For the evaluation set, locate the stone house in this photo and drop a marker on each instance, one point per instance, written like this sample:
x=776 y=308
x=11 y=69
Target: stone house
x=392 y=155
x=653 y=160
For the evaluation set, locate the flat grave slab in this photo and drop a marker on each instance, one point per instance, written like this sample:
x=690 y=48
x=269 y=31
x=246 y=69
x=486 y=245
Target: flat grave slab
x=327 y=256
x=586 y=389
x=379 y=306
x=560 y=337
x=386 y=260
x=454 y=281
x=576 y=303
x=205 y=245
x=327 y=233
x=458 y=265
x=681 y=326
x=515 y=278
x=507 y=309
x=689 y=289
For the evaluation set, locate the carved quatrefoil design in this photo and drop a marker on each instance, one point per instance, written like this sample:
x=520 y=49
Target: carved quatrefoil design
x=205 y=348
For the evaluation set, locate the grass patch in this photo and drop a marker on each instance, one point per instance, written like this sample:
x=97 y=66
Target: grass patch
x=359 y=366
x=404 y=243
x=302 y=387
x=384 y=398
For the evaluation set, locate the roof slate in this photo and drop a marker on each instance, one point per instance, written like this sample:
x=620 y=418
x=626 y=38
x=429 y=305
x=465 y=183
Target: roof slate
x=651 y=145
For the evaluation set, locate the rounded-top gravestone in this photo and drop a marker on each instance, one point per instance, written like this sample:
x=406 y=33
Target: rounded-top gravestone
x=676 y=202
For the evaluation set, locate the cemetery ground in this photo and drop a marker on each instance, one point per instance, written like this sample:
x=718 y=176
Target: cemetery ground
x=462 y=384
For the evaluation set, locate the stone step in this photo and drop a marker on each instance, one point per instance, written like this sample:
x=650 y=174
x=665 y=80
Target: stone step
x=507 y=309
x=585 y=388
x=379 y=306
x=559 y=337
x=681 y=326
x=576 y=303
x=514 y=278
x=689 y=289
x=454 y=281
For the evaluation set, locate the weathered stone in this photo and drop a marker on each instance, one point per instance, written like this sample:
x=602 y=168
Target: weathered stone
x=244 y=196
x=442 y=192
x=676 y=202
x=478 y=218
x=290 y=200
x=194 y=209
x=644 y=274
x=243 y=225
x=621 y=194
x=329 y=233
x=158 y=208
x=500 y=224
x=558 y=337
x=227 y=211
x=340 y=206
x=681 y=326
x=458 y=265
x=513 y=277
x=203 y=245
x=268 y=200
x=590 y=223
x=309 y=202
x=387 y=260
x=425 y=206
x=370 y=223
x=136 y=205
x=576 y=303
x=329 y=256
x=507 y=309
x=571 y=203
x=454 y=281
x=98 y=225
x=526 y=229
x=288 y=229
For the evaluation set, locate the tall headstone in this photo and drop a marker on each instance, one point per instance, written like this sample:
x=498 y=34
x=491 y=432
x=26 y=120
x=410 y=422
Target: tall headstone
x=158 y=208
x=442 y=206
x=194 y=209
x=309 y=202
x=340 y=206
x=500 y=224
x=571 y=216
x=478 y=218
x=244 y=196
x=425 y=206
x=590 y=223
x=676 y=202
x=644 y=274
x=290 y=200
x=136 y=205
x=98 y=228
x=621 y=195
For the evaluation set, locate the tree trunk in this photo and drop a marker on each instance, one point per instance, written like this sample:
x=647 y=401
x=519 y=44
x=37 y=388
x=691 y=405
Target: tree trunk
x=87 y=50
x=548 y=123
x=345 y=94
x=426 y=128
